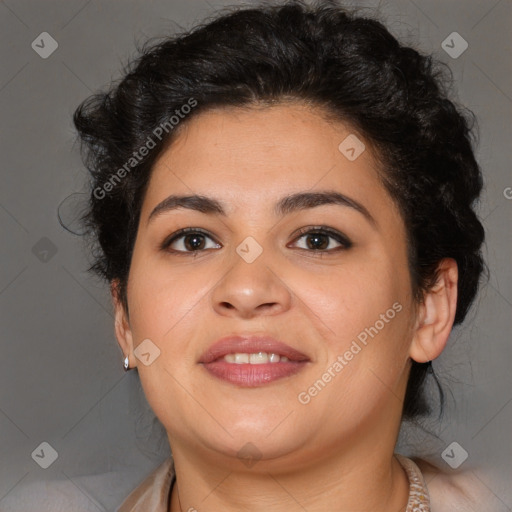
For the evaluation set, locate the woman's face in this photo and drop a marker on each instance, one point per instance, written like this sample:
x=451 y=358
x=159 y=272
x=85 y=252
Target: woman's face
x=340 y=298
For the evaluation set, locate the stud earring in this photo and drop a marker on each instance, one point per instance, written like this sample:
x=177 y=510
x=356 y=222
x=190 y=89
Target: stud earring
x=126 y=364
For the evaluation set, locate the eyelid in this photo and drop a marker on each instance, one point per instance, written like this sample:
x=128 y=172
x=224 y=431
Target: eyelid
x=184 y=231
x=338 y=236
x=335 y=234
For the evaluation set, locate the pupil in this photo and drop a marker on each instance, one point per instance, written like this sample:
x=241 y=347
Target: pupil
x=197 y=242
x=318 y=239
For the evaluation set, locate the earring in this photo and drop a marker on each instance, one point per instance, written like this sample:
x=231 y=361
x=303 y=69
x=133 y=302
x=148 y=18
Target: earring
x=126 y=364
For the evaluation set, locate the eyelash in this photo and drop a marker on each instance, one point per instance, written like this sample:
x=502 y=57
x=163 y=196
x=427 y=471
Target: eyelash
x=341 y=239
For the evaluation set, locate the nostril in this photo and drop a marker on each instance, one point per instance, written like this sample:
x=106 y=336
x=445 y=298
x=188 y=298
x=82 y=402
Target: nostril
x=268 y=305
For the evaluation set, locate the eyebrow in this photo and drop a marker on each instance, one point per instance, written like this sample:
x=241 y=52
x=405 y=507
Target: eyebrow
x=286 y=205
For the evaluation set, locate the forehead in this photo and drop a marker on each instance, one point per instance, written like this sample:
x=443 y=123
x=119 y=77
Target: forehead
x=259 y=153
x=289 y=131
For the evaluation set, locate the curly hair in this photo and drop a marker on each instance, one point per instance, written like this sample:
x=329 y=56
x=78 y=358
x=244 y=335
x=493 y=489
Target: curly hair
x=324 y=55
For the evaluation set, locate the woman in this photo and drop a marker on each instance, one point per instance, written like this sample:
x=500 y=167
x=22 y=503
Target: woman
x=283 y=201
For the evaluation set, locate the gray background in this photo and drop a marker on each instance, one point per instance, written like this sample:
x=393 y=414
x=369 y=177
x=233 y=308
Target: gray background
x=61 y=379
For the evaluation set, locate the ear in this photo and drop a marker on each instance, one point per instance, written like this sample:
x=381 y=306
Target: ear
x=436 y=314
x=122 y=324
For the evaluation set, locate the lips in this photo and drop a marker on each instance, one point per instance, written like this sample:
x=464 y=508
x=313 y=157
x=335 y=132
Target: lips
x=250 y=345
x=257 y=370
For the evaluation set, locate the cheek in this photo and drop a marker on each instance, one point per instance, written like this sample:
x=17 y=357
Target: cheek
x=364 y=370
x=165 y=299
x=367 y=309
x=166 y=308
x=351 y=298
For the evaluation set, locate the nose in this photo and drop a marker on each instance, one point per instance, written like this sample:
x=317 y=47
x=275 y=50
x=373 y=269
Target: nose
x=249 y=290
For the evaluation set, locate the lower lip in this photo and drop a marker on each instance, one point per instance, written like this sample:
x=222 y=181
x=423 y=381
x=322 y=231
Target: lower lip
x=253 y=375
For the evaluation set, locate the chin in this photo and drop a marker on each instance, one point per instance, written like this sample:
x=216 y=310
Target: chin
x=253 y=436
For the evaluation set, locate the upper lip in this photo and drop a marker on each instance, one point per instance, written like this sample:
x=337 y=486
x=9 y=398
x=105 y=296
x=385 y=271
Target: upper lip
x=250 y=344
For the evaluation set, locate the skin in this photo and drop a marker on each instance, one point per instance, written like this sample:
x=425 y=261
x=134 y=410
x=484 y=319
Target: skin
x=336 y=452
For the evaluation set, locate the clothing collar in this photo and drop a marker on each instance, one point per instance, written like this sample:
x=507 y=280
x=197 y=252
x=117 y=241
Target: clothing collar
x=154 y=494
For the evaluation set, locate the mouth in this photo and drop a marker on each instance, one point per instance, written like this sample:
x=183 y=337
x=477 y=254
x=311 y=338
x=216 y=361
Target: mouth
x=251 y=361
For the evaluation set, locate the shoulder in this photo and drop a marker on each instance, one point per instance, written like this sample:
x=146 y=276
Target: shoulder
x=460 y=491
x=153 y=493
x=79 y=494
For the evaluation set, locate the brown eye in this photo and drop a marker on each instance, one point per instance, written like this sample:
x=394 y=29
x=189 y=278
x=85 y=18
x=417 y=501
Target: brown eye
x=189 y=240
x=321 y=239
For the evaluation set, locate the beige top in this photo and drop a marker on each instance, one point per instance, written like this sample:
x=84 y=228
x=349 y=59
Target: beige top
x=154 y=494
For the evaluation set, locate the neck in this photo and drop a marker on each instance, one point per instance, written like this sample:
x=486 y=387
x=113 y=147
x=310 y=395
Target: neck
x=352 y=477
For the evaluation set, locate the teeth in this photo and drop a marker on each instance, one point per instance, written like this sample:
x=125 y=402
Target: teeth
x=241 y=358
x=259 y=358
x=274 y=358
x=256 y=358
